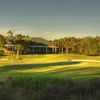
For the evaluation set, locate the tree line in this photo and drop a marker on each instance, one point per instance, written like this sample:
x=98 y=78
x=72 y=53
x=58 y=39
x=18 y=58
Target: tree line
x=86 y=45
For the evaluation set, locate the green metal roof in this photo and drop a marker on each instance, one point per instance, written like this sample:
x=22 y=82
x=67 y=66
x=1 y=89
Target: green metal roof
x=37 y=41
x=10 y=40
x=9 y=32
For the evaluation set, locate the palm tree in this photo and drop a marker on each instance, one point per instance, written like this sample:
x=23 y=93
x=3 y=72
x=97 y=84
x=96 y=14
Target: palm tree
x=67 y=44
x=18 y=47
x=58 y=44
x=62 y=44
x=54 y=42
x=2 y=41
x=27 y=44
x=18 y=44
x=19 y=36
x=73 y=43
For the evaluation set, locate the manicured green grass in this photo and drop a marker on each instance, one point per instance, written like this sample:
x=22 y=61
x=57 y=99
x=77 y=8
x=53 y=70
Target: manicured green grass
x=50 y=65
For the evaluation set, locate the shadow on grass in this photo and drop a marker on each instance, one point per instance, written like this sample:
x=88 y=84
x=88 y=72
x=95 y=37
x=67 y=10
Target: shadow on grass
x=8 y=68
x=51 y=69
x=3 y=55
x=77 y=73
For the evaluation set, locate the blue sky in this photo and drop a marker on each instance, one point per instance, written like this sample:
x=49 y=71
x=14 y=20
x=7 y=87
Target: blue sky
x=50 y=19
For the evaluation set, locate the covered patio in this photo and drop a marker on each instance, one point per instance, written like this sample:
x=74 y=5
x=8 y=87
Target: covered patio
x=42 y=49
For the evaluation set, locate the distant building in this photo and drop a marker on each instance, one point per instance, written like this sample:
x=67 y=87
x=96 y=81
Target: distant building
x=9 y=34
x=40 y=45
x=10 y=42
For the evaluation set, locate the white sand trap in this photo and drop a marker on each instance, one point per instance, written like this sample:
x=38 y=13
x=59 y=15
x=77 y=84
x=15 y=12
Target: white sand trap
x=4 y=59
x=83 y=60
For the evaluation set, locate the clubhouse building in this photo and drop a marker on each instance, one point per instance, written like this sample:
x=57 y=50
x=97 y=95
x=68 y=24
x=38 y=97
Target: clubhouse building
x=40 y=45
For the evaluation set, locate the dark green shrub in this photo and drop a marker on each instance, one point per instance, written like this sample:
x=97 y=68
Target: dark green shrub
x=19 y=58
x=1 y=52
x=21 y=52
x=14 y=53
x=28 y=51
